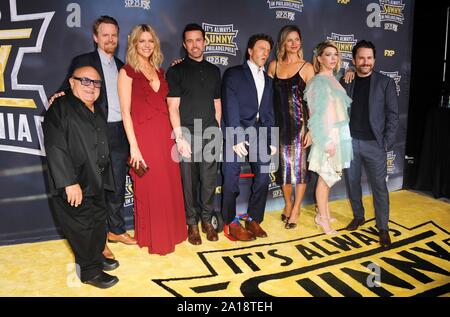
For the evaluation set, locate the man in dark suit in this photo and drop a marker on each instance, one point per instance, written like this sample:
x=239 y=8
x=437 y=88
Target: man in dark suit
x=105 y=35
x=76 y=144
x=247 y=101
x=373 y=125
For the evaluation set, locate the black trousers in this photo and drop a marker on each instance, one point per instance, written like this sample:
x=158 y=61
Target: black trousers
x=199 y=178
x=85 y=229
x=119 y=149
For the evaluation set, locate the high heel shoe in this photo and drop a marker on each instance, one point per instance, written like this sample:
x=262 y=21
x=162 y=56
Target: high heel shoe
x=284 y=218
x=319 y=222
x=331 y=219
x=290 y=225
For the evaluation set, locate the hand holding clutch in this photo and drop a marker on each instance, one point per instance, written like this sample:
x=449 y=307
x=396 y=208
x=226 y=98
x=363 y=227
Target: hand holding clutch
x=139 y=171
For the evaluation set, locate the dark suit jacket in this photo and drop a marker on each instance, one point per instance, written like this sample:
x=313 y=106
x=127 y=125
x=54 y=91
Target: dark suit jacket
x=91 y=59
x=240 y=100
x=383 y=108
x=70 y=144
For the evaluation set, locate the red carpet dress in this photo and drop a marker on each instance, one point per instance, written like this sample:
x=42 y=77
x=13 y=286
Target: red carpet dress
x=291 y=116
x=160 y=221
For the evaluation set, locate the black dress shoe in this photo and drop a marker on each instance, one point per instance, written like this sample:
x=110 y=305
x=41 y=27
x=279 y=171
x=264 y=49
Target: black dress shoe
x=103 y=280
x=110 y=264
x=385 y=239
x=355 y=224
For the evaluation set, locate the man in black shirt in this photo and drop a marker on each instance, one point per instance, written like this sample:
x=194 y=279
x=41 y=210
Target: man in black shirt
x=79 y=165
x=373 y=124
x=194 y=106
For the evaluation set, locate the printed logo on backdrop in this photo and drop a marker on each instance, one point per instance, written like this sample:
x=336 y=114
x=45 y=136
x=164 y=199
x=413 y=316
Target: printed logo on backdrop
x=286 y=9
x=388 y=12
x=220 y=41
x=21 y=103
x=142 y=4
x=345 y=43
x=129 y=193
x=274 y=188
x=390 y=156
x=396 y=77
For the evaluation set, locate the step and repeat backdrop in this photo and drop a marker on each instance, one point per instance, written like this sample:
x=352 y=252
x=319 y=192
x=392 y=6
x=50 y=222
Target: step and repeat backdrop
x=39 y=38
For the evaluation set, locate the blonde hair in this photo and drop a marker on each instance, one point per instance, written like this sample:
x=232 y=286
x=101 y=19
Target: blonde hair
x=132 y=59
x=284 y=32
x=318 y=51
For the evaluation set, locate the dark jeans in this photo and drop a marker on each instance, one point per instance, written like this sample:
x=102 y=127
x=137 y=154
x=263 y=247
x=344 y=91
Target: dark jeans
x=369 y=154
x=85 y=229
x=119 y=149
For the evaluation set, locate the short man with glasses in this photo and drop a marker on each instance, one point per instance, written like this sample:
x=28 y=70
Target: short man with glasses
x=79 y=166
x=105 y=35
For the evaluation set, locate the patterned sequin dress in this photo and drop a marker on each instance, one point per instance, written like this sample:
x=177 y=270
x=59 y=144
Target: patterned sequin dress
x=291 y=116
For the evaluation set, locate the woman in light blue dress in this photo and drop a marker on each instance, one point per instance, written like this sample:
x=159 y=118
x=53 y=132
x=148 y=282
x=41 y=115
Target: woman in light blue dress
x=331 y=150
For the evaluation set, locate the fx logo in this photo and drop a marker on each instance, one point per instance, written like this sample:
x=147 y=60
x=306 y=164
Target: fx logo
x=389 y=53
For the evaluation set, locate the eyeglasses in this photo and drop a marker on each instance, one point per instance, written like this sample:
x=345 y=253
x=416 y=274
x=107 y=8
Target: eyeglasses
x=87 y=81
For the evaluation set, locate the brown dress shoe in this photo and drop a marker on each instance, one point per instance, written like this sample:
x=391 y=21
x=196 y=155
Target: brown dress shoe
x=255 y=228
x=107 y=253
x=354 y=224
x=125 y=238
x=211 y=233
x=194 y=235
x=240 y=233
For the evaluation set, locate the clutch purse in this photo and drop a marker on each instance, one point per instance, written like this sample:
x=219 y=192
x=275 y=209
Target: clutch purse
x=139 y=171
x=328 y=174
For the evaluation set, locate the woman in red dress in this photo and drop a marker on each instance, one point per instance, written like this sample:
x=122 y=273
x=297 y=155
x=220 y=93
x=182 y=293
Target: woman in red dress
x=158 y=198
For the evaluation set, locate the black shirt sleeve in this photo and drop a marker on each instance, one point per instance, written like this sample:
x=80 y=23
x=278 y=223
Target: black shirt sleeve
x=218 y=85
x=174 y=81
x=59 y=160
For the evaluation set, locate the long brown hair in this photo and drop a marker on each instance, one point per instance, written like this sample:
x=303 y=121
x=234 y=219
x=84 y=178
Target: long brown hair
x=284 y=32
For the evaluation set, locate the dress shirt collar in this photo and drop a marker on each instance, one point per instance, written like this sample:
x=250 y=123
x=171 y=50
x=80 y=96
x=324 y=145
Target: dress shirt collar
x=105 y=59
x=254 y=68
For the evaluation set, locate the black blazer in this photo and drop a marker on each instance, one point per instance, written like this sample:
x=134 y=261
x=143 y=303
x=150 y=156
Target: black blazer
x=383 y=108
x=240 y=100
x=71 y=149
x=91 y=59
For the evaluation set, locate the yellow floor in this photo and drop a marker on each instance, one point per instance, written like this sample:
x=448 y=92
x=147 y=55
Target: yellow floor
x=280 y=265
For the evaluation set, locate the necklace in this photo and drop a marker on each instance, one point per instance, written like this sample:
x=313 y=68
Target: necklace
x=150 y=73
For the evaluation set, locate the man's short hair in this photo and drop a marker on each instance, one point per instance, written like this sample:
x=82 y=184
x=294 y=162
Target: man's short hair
x=104 y=19
x=364 y=44
x=255 y=38
x=193 y=27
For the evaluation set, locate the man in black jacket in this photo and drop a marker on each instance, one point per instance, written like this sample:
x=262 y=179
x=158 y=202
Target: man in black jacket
x=76 y=143
x=105 y=35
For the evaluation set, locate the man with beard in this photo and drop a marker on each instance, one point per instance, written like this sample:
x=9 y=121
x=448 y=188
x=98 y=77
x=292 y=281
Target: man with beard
x=194 y=95
x=105 y=35
x=373 y=124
